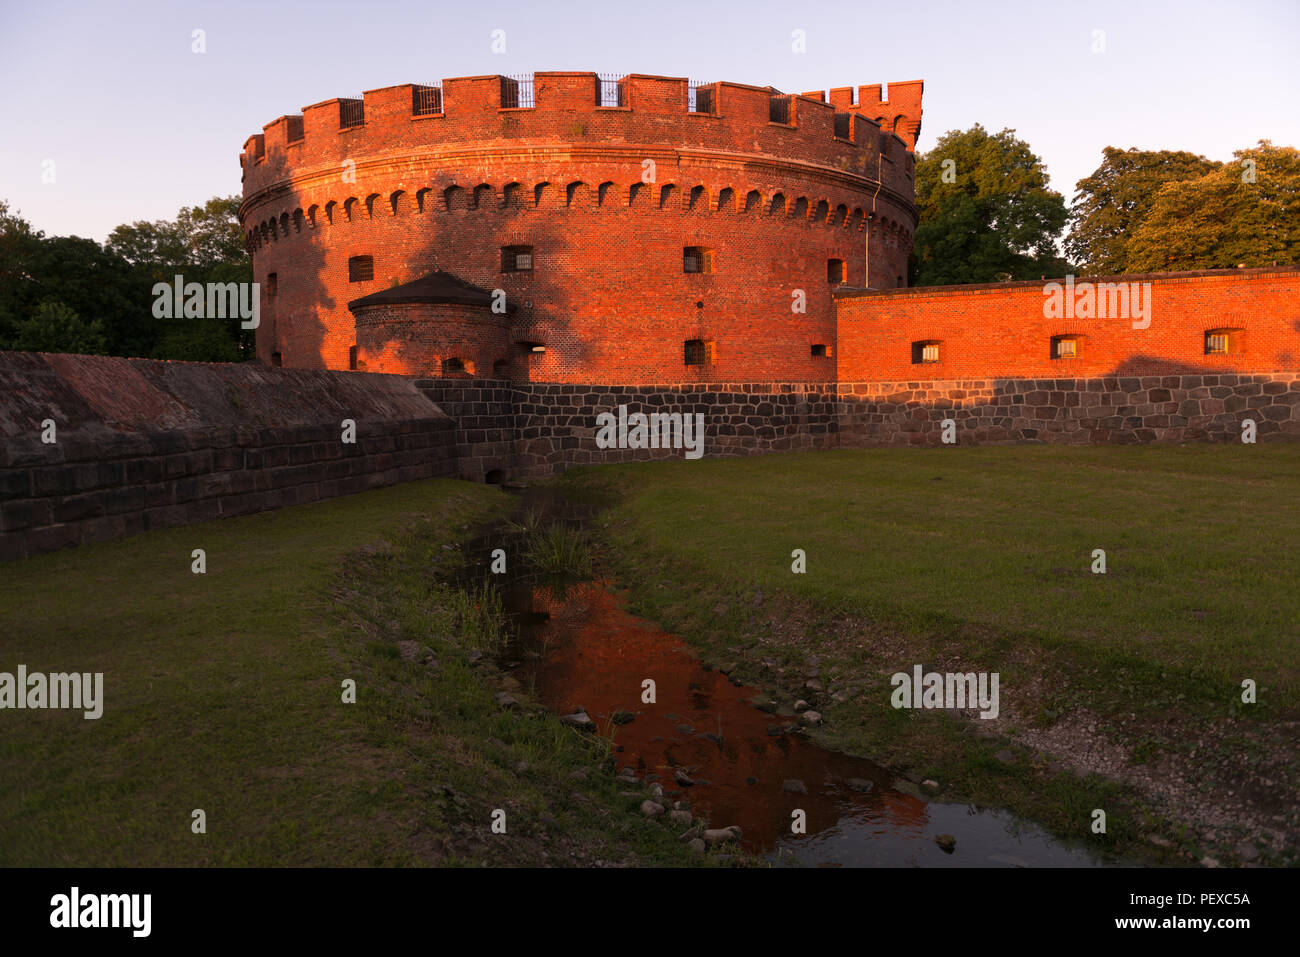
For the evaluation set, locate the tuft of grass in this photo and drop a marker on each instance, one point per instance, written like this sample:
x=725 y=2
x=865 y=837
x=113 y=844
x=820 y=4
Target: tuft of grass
x=561 y=550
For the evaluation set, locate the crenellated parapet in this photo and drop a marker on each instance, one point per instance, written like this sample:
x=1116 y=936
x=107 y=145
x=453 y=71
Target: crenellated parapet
x=635 y=117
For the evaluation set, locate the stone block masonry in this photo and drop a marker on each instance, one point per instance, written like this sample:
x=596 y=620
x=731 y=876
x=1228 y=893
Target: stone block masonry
x=141 y=445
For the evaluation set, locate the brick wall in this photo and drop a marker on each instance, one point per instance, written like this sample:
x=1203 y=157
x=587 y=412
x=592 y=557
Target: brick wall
x=143 y=445
x=1002 y=330
x=607 y=296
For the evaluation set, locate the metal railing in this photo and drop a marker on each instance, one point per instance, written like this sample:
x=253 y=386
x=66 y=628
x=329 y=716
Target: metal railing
x=778 y=108
x=699 y=98
x=426 y=100
x=352 y=113
x=517 y=92
x=610 y=90
x=842 y=127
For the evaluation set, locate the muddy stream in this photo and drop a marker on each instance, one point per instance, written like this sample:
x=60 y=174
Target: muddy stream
x=574 y=647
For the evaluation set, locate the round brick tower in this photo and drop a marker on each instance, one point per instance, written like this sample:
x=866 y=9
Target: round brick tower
x=635 y=229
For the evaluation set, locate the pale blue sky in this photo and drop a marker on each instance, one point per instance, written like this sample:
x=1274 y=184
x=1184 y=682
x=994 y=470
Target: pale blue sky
x=138 y=125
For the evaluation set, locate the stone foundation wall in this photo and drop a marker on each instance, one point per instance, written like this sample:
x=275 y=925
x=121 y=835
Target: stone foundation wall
x=1173 y=408
x=238 y=439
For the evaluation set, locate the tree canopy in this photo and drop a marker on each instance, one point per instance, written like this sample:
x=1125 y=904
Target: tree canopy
x=985 y=211
x=69 y=294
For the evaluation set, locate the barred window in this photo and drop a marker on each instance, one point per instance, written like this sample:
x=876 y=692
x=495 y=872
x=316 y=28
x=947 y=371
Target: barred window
x=699 y=352
x=925 y=351
x=697 y=259
x=426 y=100
x=517 y=259
x=1222 y=342
x=361 y=268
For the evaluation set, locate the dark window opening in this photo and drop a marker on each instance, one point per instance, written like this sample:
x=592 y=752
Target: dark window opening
x=517 y=259
x=272 y=285
x=361 y=268
x=426 y=100
x=277 y=359
x=842 y=125
x=778 y=109
x=352 y=358
x=835 y=270
x=697 y=259
x=699 y=352
x=351 y=113
x=820 y=350
x=699 y=98
x=453 y=366
x=925 y=351
x=501 y=369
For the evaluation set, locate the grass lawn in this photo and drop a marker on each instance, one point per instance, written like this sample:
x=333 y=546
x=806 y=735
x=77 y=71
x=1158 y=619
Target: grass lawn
x=980 y=559
x=223 y=693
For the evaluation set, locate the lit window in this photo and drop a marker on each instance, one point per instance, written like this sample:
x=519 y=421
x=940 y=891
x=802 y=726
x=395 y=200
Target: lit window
x=1223 y=342
x=1065 y=347
x=925 y=351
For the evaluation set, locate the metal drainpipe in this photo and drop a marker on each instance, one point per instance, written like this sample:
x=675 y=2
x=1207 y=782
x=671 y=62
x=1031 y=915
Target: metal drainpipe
x=871 y=217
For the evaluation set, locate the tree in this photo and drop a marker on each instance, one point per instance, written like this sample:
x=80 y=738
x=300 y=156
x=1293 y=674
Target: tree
x=1112 y=203
x=986 y=212
x=203 y=244
x=54 y=327
x=1242 y=213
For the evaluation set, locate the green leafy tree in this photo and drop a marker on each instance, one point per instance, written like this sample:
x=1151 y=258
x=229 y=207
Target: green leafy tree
x=1242 y=213
x=54 y=327
x=985 y=211
x=1112 y=203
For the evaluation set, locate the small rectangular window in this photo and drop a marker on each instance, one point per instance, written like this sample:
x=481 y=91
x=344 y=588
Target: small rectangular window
x=835 y=270
x=352 y=358
x=1223 y=342
x=361 y=268
x=277 y=359
x=925 y=351
x=517 y=259
x=699 y=352
x=272 y=285
x=820 y=350
x=697 y=259
x=426 y=100
x=1065 y=347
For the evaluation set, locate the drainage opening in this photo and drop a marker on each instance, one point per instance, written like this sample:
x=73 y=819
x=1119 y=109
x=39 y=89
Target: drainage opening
x=495 y=477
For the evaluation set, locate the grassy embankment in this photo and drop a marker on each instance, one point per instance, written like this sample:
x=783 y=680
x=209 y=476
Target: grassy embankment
x=980 y=560
x=223 y=692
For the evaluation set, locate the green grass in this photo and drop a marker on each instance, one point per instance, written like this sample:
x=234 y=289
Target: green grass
x=982 y=557
x=223 y=692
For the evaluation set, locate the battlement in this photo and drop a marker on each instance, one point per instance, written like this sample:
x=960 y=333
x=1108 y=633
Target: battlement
x=633 y=111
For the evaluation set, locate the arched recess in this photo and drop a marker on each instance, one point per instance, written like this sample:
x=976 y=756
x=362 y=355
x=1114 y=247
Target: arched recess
x=667 y=195
x=726 y=199
x=542 y=195
x=777 y=206
x=753 y=200
x=603 y=193
x=577 y=194
x=455 y=198
x=483 y=194
x=397 y=200
x=512 y=196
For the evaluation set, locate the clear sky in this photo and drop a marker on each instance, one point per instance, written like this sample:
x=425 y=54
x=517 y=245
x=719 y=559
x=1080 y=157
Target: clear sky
x=137 y=125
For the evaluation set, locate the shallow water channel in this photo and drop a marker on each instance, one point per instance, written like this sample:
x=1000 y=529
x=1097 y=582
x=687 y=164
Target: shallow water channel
x=575 y=647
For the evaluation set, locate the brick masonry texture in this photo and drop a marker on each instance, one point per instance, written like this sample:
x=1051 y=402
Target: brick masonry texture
x=1002 y=330
x=607 y=296
x=144 y=444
